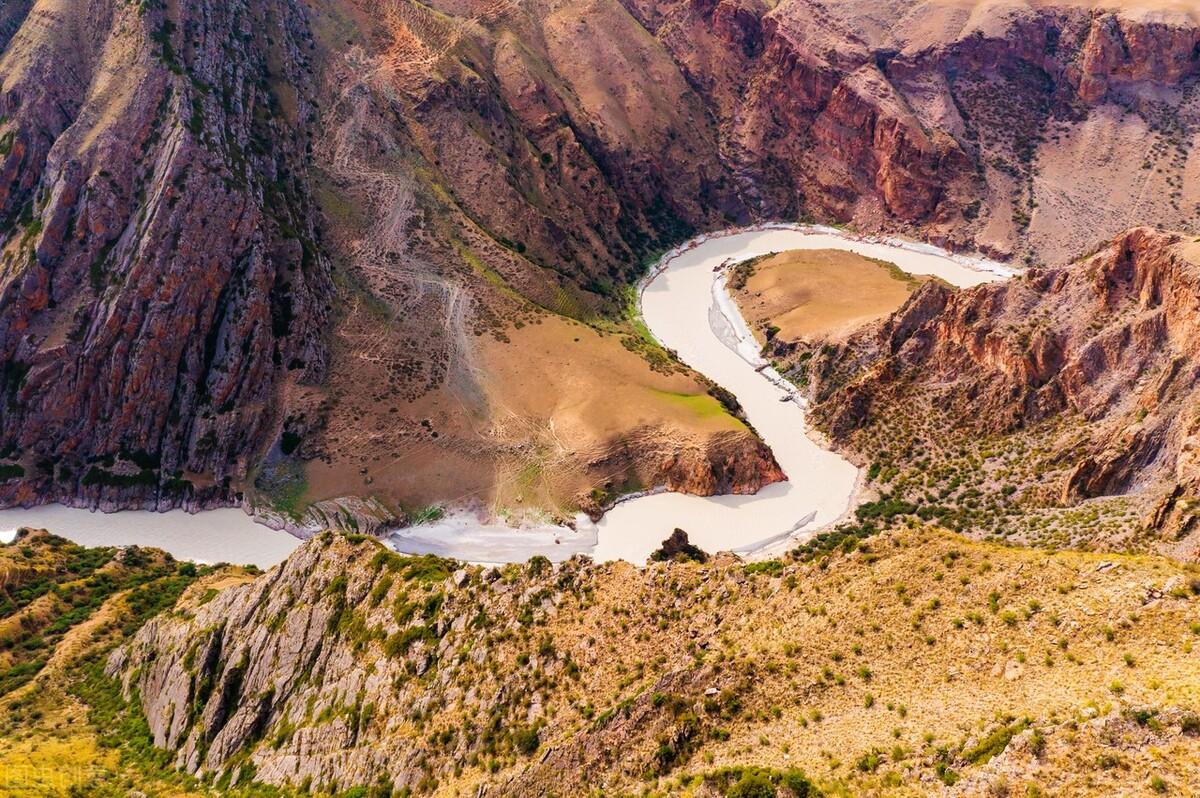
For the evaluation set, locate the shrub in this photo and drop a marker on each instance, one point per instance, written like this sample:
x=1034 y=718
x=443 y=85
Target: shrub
x=289 y=442
x=753 y=782
x=427 y=568
x=868 y=762
x=770 y=567
x=752 y=785
x=527 y=740
x=993 y=744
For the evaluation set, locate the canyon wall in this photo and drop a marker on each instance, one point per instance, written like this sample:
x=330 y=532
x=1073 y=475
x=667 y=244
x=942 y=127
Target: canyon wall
x=1108 y=346
x=161 y=275
x=253 y=246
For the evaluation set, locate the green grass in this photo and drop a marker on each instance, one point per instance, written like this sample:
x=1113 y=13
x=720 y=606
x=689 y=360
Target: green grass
x=896 y=273
x=994 y=744
x=699 y=405
x=428 y=514
x=528 y=476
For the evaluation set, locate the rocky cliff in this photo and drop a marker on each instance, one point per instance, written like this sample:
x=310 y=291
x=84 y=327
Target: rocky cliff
x=161 y=276
x=987 y=125
x=1099 y=356
x=726 y=463
x=266 y=260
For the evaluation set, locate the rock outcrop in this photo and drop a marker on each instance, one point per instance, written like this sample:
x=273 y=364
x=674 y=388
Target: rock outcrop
x=1111 y=341
x=349 y=514
x=322 y=665
x=734 y=462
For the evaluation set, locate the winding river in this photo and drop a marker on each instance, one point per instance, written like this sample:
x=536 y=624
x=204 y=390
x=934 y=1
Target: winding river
x=685 y=304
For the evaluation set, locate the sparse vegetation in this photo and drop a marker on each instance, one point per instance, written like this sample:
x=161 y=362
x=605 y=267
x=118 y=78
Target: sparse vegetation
x=669 y=675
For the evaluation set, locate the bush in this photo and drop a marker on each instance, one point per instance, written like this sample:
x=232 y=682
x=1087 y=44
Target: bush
x=798 y=784
x=527 y=740
x=752 y=785
x=887 y=508
x=11 y=471
x=868 y=762
x=769 y=567
x=846 y=536
x=427 y=568
x=753 y=782
x=290 y=442
x=994 y=743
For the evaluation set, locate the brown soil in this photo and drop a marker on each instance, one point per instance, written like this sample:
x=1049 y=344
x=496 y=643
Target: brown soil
x=544 y=403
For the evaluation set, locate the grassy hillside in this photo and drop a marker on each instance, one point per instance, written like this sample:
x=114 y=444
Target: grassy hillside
x=64 y=728
x=916 y=662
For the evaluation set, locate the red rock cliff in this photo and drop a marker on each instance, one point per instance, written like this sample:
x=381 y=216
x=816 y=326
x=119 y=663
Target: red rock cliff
x=1113 y=340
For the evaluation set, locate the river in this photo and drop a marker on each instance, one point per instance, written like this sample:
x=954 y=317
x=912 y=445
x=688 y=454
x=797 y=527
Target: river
x=687 y=308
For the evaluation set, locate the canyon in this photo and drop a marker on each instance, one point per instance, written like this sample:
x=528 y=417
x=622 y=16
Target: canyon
x=684 y=306
x=680 y=398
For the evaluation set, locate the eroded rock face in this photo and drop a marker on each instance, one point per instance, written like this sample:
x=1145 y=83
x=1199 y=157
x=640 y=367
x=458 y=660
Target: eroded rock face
x=350 y=514
x=935 y=118
x=1111 y=340
x=728 y=462
x=166 y=305
x=322 y=666
x=1120 y=51
x=161 y=276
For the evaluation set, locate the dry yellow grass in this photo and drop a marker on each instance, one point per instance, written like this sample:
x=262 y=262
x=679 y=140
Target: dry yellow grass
x=930 y=642
x=921 y=663
x=820 y=294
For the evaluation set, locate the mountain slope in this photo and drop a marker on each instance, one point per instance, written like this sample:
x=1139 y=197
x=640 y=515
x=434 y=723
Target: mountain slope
x=161 y=276
x=1047 y=391
x=916 y=662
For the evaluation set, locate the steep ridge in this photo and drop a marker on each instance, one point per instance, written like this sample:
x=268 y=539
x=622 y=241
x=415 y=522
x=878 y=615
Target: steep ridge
x=161 y=276
x=1099 y=358
x=960 y=118
x=348 y=665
